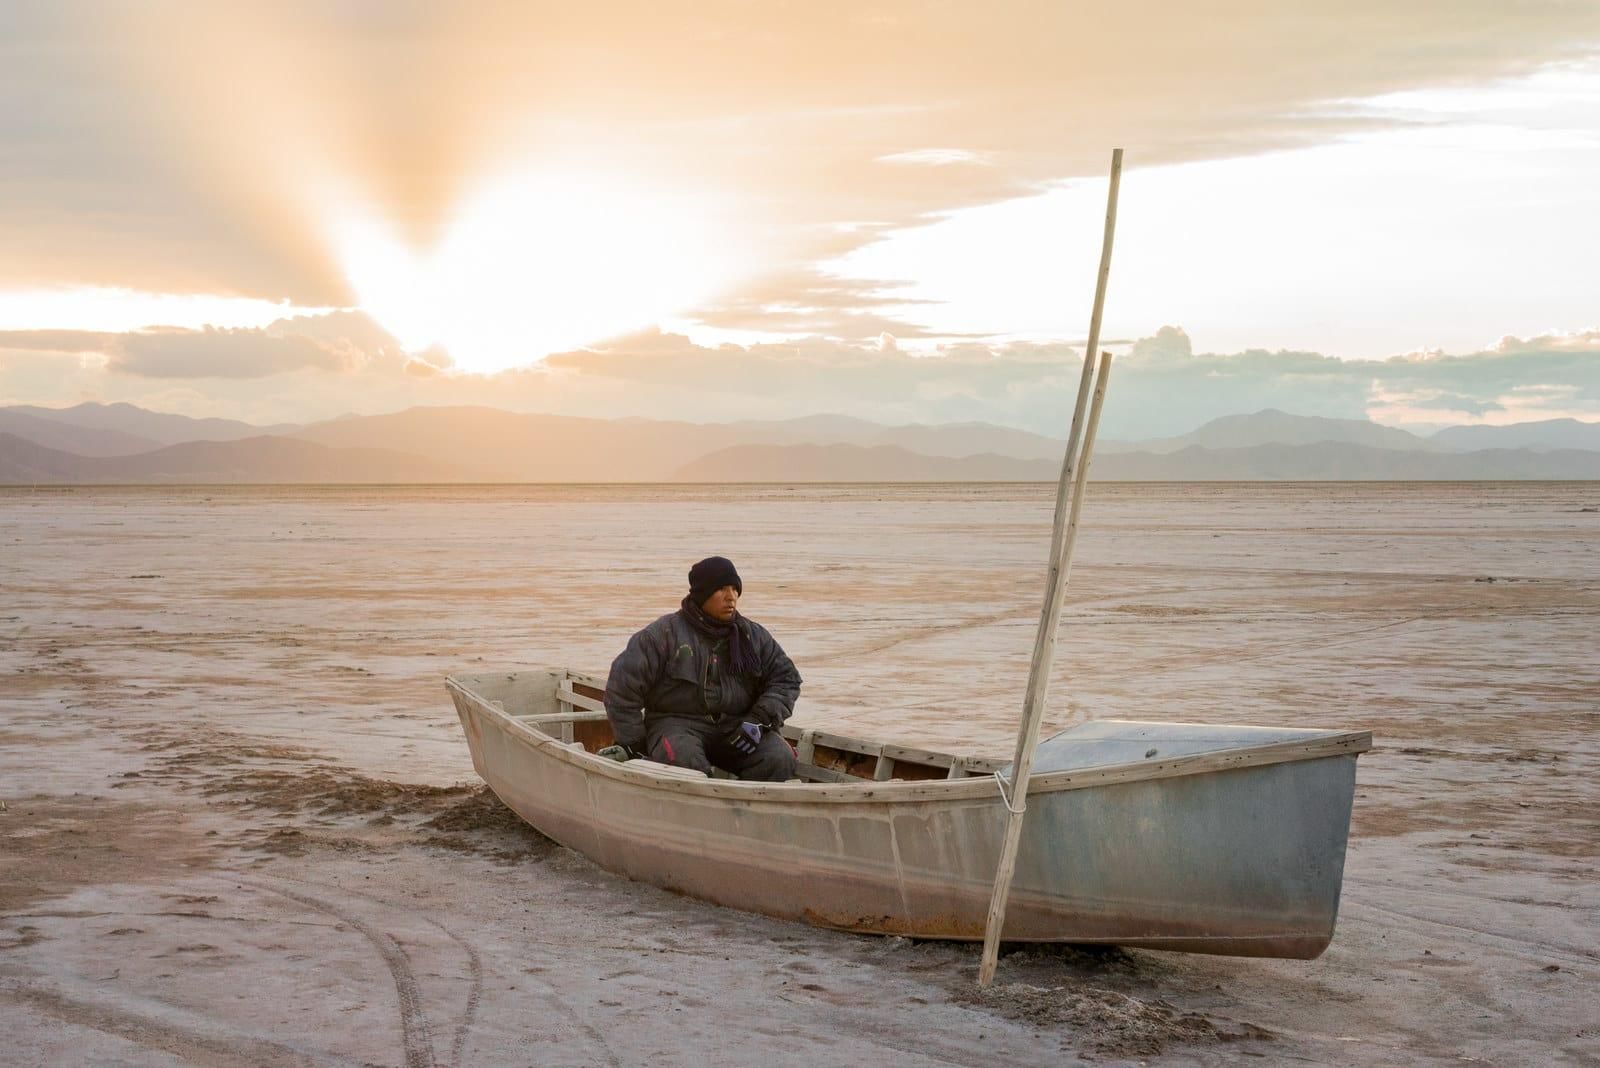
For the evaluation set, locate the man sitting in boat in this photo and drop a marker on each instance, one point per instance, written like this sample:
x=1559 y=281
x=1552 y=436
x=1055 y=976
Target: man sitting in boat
x=705 y=686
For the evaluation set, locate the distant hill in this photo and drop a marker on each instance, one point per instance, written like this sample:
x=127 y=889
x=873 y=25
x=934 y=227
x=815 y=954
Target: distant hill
x=85 y=441
x=163 y=428
x=808 y=429
x=1273 y=427
x=973 y=439
x=1544 y=434
x=250 y=460
x=482 y=444
x=943 y=439
x=856 y=463
x=515 y=447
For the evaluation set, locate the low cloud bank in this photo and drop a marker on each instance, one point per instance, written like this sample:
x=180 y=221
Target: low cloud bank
x=317 y=366
x=1160 y=386
x=339 y=342
x=1554 y=376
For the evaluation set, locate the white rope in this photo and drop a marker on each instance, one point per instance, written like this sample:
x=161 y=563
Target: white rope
x=1015 y=810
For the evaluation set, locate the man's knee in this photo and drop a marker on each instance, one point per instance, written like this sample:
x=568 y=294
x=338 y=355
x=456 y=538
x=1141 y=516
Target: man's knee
x=680 y=749
x=774 y=761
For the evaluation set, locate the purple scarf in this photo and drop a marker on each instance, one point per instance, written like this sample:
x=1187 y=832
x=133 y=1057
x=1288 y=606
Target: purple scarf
x=741 y=657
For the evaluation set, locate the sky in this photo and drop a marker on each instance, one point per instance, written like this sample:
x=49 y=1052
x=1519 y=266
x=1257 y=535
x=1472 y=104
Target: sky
x=285 y=212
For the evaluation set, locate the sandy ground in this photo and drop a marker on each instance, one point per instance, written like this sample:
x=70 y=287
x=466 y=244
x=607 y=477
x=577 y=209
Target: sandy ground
x=240 y=825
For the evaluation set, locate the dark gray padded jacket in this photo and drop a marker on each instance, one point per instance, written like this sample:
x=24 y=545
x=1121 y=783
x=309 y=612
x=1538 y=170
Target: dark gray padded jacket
x=663 y=672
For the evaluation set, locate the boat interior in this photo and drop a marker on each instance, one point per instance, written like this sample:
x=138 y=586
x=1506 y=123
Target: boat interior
x=570 y=708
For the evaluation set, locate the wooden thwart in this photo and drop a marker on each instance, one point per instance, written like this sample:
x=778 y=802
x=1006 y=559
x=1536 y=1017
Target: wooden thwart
x=569 y=696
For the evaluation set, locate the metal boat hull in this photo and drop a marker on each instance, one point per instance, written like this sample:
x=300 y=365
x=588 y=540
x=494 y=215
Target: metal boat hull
x=1245 y=860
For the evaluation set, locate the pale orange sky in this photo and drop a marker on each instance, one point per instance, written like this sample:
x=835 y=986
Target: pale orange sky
x=493 y=183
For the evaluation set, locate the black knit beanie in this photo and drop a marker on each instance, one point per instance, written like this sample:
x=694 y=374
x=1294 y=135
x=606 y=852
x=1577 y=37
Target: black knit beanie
x=710 y=575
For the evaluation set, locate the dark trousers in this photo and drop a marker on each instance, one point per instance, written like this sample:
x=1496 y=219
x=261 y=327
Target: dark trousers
x=700 y=743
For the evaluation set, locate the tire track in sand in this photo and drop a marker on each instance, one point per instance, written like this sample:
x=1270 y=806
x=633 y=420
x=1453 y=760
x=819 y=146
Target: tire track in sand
x=475 y=993
x=458 y=1045
x=417 y=1040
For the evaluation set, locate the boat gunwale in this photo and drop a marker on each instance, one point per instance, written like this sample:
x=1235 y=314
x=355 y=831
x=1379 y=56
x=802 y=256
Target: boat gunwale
x=979 y=787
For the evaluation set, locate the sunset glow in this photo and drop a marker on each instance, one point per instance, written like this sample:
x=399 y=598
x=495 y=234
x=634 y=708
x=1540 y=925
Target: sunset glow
x=101 y=308
x=296 y=210
x=539 y=264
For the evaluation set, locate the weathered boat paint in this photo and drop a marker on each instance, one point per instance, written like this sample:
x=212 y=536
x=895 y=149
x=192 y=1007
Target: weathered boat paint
x=1222 y=840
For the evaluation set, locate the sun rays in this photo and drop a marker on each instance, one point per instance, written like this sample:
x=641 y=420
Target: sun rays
x=537 y=263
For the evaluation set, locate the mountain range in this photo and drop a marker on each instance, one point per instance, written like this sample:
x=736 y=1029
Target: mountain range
x=125 y=444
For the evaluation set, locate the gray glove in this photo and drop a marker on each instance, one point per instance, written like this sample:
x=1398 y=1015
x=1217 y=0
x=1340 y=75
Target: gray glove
x=747 y=737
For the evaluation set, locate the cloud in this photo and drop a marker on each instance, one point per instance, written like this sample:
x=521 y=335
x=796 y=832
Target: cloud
x=1170 y=345
x=1160 y=387
x=1578 y=341
x=808 y=301
x=936 y=157
x=1549 y=377
x=64 y=341
x=213 y=353
x=204 y=148
x=1429 y=405
x=327 y=365
x=339 y=342
x=339 y=329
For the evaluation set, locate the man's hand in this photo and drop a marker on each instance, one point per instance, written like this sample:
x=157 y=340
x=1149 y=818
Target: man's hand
x=767 y=717
x=746 y=738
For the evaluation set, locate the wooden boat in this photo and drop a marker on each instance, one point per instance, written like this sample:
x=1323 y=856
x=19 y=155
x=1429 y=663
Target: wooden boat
x=1208 y=839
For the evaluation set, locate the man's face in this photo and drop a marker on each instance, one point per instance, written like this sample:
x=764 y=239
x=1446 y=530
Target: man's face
x=722 y=604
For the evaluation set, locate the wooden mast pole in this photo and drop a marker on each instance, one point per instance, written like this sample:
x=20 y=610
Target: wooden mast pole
x=1064 y=529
